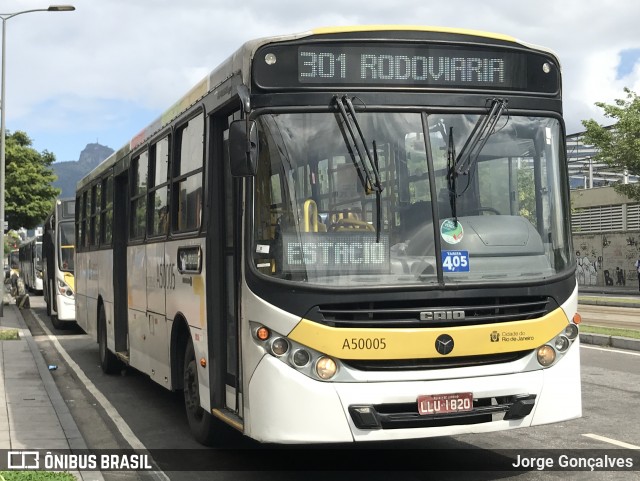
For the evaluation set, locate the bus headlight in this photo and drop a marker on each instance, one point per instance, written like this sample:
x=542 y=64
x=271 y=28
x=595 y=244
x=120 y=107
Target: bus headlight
x=326 y=368
x=546 y=355
x=571 y=331
x=303 y=359
x=64 y=289
x=555 y=348
x=279 y=346
x=561 y=343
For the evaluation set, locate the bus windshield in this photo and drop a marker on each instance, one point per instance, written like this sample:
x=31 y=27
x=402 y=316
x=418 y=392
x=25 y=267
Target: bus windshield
x=318 y=220
x=38 y=256
x=67 y=247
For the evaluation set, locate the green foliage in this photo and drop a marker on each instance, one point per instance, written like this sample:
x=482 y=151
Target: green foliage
x=36 y=476
x=9 y=334
x=527 y=194
x=11 y=241
x=611 y=331
x=619 y=147
x=29 y=195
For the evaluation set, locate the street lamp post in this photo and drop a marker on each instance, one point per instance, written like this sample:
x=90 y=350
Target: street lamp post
x=5 y=17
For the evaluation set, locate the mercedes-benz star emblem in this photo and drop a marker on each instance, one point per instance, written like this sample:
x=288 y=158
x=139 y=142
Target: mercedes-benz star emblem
x=444 y=344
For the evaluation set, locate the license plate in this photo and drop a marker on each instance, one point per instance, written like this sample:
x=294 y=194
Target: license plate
x=445 y=403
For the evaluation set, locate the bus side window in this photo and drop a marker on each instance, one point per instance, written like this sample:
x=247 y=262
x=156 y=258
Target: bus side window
x=139 y=171
x=187 y=175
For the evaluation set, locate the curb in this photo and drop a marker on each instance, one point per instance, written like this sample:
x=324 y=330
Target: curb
x=69 y=426
x=603 y=340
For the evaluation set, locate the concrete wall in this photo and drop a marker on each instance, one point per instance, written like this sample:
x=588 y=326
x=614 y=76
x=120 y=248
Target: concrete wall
x=596 y=196
x=605 y=259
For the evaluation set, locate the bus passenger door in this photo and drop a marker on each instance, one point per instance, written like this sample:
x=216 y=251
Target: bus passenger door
x=224 y=245
x=120 y=236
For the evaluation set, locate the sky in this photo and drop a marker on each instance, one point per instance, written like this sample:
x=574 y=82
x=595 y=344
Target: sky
x=108 y=69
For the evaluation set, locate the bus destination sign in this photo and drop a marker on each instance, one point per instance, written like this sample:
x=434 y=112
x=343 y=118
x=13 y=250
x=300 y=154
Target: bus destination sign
x=336 y=253
x=405 y=65
x=388 y=66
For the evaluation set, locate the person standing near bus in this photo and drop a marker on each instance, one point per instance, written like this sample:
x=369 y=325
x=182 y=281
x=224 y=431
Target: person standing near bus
x=638 y=269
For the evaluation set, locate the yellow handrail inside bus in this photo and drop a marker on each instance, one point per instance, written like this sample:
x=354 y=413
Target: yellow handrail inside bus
x=310 y=215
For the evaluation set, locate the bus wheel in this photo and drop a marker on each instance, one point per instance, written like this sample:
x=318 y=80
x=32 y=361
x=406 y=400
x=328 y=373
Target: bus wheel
x=56 y=322
x=202 y=423
x=47 y=299
x=109 y=363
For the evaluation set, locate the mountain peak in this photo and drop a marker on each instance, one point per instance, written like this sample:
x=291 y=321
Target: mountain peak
x=93 y=154
x=69 y=173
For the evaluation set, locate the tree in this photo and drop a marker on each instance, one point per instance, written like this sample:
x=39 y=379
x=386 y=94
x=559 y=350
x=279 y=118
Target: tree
x=29 y=195
x=11 y=241
x=619 y=146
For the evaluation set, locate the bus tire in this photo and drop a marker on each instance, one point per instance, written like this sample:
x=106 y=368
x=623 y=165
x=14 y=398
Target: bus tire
x=57 y=324
x=202 y=424
x=48 y=303
x=109 y=363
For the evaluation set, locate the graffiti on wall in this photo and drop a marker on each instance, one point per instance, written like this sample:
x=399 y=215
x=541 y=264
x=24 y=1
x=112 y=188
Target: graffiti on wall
x=607 y=260
x=587 y=268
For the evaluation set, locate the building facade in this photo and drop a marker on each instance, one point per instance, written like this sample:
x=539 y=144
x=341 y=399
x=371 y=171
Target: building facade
x=605 y=224
x=606 y=237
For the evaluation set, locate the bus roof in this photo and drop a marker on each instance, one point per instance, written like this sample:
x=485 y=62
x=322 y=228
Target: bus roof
x=239 y=63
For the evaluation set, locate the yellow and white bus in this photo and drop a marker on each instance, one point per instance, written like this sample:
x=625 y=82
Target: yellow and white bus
x=348 y=234
x=59 y=259
x=30 y=258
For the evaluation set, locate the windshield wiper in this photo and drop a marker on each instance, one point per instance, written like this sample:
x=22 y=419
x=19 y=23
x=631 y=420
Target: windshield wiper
x=479 y=136
x=364 y=164
x=451 y=175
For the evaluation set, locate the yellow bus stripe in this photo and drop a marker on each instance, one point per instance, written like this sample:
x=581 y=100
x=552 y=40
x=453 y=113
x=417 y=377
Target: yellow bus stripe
x=420 y=28
x=419 y=343
x=70 y=280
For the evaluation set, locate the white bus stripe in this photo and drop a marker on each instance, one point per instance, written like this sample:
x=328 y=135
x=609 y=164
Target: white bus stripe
x=622 y=444
x=111 y=411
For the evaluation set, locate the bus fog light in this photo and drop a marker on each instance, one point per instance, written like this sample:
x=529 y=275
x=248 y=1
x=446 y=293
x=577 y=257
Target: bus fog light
x=301 y=358
x=279 y=346
x=326 y=368
x=571 y=331
x=546 y=355
x=561 y=343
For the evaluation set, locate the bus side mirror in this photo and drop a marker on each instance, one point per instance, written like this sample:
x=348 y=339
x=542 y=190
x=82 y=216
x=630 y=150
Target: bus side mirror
x=243 y=148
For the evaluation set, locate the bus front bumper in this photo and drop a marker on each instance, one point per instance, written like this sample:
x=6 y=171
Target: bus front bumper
x=285 y=406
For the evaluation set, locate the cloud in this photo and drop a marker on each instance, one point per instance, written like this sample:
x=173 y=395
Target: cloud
x=123 y=60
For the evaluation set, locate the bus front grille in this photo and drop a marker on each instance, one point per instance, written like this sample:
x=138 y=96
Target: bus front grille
x=432 y=312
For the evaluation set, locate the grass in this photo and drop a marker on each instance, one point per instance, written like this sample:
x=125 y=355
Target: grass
x=610 y=331
x=629 y=301
x=9 y=334
x=36 y=476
